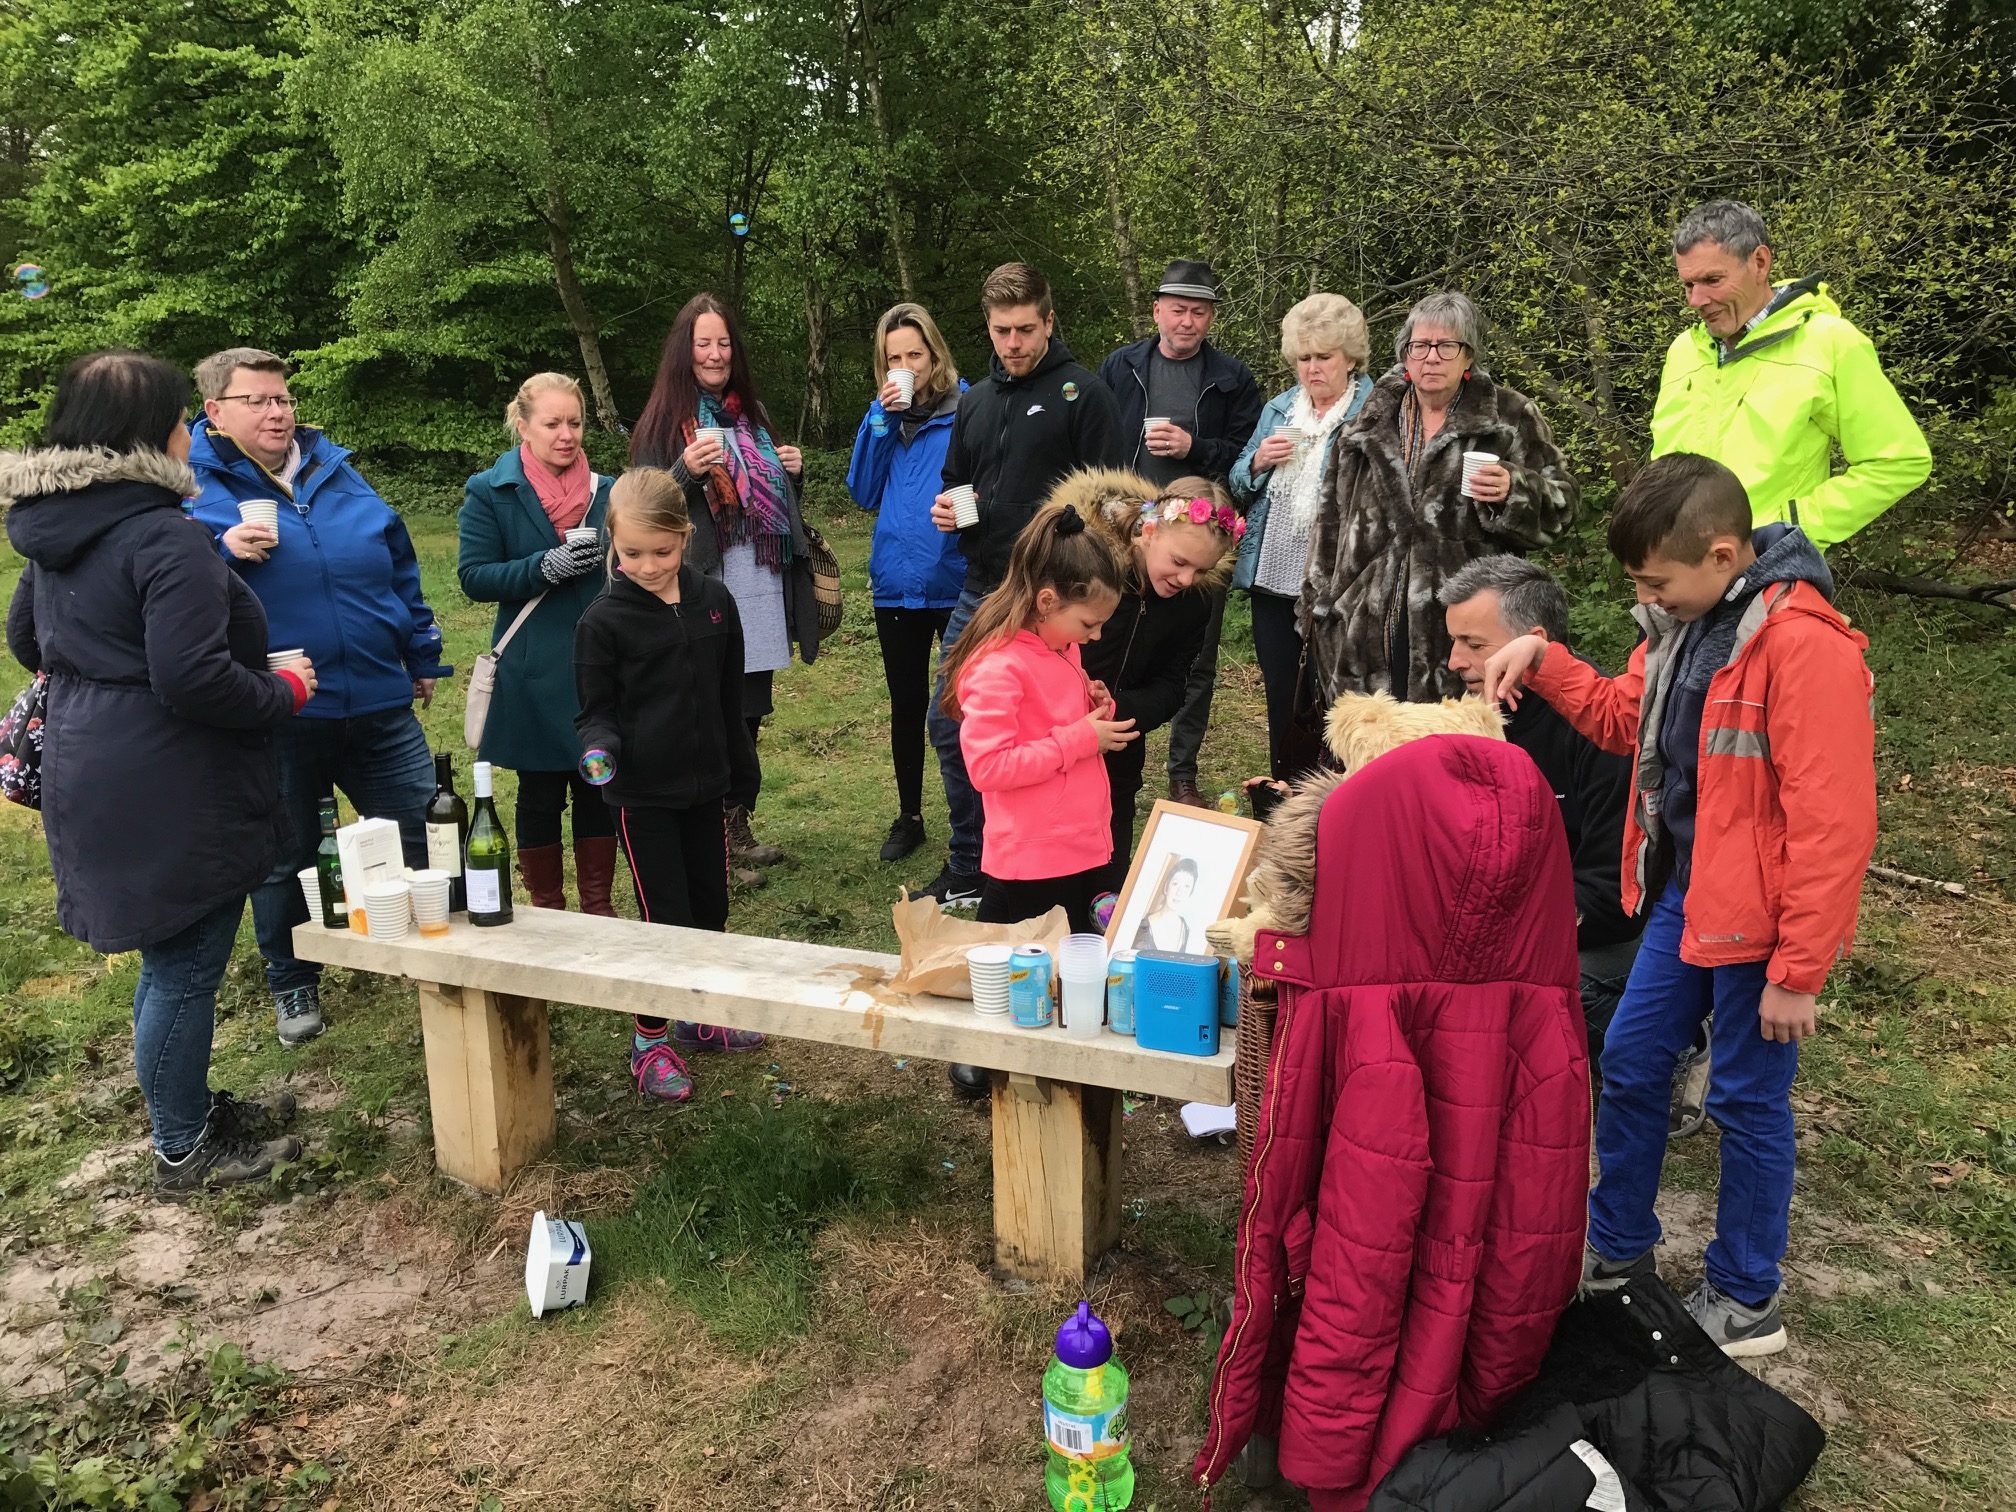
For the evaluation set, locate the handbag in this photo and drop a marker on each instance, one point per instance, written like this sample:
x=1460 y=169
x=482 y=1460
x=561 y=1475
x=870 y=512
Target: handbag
x=483 y=680
x=21 y=744
x=825 y=581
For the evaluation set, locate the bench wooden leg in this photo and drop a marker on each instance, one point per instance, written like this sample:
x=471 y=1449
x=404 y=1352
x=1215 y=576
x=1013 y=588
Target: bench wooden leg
x=1056 y=1176
x=490 y=1081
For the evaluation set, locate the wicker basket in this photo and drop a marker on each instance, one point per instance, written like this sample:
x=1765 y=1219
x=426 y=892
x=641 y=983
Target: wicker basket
x=1254 y=1047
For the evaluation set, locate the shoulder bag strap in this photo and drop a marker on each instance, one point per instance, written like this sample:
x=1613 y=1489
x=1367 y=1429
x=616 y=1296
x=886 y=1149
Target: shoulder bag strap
x=523 y=615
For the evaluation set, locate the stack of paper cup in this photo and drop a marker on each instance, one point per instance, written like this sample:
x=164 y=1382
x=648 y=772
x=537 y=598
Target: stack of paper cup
x=278 y=659
x=311 y=889
x=906 y=383
x=1081 y=967
x=388 y=910
x=260 y=512
x=430 y=900
x=1472 y=461
x=965 y=505
x=987 y=965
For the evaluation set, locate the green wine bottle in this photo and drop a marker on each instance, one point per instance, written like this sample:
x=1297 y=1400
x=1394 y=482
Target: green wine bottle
x=486 y=866
x=447 y=829
x=329 y=871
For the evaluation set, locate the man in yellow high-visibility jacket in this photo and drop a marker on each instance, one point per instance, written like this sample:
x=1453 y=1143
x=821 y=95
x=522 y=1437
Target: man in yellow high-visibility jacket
x=1773 y=378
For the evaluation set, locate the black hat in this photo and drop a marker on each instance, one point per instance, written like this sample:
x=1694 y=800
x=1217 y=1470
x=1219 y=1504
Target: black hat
x=1190 y=280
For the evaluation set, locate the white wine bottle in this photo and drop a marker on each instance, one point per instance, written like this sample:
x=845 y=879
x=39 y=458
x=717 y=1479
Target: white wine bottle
x=486 y=868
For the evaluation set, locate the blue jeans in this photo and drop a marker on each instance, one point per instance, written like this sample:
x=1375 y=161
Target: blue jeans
x=962 y=804
x=1751 y=1101
x=174 y=1014
x=382 y=764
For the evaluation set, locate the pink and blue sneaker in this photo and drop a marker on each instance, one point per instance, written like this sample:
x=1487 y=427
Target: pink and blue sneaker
x=659 y=1072
x=690 y=1036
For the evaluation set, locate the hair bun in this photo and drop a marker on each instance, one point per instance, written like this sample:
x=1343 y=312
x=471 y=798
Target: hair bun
x=1069 y=521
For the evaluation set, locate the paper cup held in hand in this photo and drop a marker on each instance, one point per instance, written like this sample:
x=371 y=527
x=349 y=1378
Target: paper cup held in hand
x=965 y=505
x=906 y=384
x=583 y=535
x=260 y=512
x=275 y=660
x=718 y=434
x=1154 y=420
x=556 y=1265
x=1472 y=462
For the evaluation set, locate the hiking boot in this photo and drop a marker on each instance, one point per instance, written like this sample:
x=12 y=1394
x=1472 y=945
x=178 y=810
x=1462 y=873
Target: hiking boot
x=970 y=1082
x=247 y=1119
x=953 y=889
x=659 y=1073
x=690 y=1036
x=222 y=1157
x=746 y=877
x=1184 y=790
x=743 y=844
x=1688 y=1114
x=1600 y=1275
x=297 y=1015
x=1738 y=1329
x=905 y=835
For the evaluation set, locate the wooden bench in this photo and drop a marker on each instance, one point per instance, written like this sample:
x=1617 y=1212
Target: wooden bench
x=483 y=1005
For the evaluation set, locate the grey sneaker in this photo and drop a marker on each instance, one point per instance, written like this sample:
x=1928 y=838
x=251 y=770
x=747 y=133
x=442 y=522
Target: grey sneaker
x=222 y=1157
x=1739 y=1330
x=1689 y=1112
x=297 y=1014
x=1600 y=1275
x=247 y=1119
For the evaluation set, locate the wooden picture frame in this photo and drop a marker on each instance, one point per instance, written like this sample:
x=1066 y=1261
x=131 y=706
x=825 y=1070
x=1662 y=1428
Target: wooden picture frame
x=1218 y=851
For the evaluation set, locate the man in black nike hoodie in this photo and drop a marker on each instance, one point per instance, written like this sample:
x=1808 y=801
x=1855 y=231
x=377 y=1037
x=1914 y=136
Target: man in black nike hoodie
x=1037 y=415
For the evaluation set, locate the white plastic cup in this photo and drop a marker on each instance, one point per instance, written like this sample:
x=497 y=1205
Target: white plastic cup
x=430 y=900
x=1472 y=461
x=388 y=910
x=906 y=383
x=278 y=659
x=311 y=889
x=556 y=1265
x=260 y=512
x=965 y=505
x=1081 y=967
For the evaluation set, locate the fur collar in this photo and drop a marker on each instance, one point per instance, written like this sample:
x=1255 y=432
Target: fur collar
x=45 y=470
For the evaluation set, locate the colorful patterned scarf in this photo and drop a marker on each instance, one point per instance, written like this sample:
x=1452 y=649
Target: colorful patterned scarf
x=748 y=492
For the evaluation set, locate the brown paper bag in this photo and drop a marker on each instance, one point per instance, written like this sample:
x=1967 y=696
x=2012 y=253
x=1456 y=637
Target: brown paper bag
x=935 y=944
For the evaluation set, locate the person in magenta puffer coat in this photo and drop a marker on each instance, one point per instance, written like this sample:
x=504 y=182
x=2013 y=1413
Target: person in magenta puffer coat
x=1412 y=1221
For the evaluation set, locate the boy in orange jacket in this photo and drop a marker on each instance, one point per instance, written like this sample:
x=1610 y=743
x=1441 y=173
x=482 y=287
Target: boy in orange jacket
x=1753 y=817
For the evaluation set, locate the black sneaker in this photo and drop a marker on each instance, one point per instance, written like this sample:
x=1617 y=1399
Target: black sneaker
x=953 y=889
x=247 y=1119
x=1600 y=1275
x=905 y=835
x=1688 y=1114
x=970 y=1082
x=221 y=1158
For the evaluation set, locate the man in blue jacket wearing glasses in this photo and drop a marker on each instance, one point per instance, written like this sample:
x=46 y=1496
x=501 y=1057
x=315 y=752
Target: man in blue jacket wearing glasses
x=339 y=579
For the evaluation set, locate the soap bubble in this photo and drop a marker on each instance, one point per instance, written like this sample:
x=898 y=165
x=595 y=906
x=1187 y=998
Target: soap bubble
x=739 y=223
x=30 y=279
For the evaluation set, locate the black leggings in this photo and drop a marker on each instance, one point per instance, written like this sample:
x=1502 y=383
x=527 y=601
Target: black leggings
x=542 y=799
x=1277 y=646
x=679 y=863
x=907 y=637
x=1012 y=902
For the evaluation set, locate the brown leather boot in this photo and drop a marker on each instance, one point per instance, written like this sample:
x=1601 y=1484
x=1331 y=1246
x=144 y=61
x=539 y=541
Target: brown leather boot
x=540 y=868
x=594 y=874
x=1184 y=790
x=742 y=842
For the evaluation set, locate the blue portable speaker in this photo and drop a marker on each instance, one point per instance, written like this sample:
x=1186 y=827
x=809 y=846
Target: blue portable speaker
x=1176 y=1002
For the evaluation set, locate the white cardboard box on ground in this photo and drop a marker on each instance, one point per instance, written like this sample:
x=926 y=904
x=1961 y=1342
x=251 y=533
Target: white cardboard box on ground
x=370 y=852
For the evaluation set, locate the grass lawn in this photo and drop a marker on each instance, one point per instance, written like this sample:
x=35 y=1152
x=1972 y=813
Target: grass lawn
x=790 y=1305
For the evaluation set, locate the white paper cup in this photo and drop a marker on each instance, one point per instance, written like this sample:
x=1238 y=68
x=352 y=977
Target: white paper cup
x=556 y=1265
x=965 y=505
x=277 y=659
x=583 y=535
x=1154 y=420
x=906 y=381
x=1472 y=461
x=430 y=900
x=260 y=512
x=719 y=433
x=388 y=910
x=311 y=889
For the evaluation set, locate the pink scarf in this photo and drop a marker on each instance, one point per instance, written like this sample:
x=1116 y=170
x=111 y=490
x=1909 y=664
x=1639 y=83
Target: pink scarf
x=565 y=496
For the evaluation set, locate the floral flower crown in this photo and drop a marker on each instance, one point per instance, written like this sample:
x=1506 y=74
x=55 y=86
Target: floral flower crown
x=1196 y=512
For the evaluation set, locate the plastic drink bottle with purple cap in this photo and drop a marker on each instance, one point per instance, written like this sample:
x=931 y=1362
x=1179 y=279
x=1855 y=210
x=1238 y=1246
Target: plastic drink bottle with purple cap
x=1085 y=1420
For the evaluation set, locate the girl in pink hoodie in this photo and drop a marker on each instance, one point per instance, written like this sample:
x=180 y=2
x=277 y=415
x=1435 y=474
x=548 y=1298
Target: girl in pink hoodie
x=1033 y=726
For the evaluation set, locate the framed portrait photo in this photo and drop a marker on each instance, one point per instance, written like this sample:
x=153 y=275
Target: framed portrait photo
x=1189 y=872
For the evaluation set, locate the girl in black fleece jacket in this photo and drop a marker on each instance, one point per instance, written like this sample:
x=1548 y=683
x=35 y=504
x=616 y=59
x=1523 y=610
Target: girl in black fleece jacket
x=658 y=664
x=1178 y=540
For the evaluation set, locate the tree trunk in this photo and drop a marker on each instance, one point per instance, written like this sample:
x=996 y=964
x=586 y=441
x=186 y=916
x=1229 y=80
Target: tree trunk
x=1123 y=238
x=559 y=225
x=899 y=238
x=815 y=412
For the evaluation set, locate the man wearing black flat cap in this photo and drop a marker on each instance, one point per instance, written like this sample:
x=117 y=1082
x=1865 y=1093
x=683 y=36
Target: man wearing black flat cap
x=1208 y=404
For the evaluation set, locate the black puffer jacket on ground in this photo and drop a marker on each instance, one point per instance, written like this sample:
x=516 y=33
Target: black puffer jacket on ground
x=1635 y=1400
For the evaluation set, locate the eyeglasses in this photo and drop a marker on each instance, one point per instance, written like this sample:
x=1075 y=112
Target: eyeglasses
x=262 y=401
x=1443 y=349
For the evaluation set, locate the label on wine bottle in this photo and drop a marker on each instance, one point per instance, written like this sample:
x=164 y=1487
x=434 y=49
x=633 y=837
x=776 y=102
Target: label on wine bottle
x=444 y=848
x=485 y=896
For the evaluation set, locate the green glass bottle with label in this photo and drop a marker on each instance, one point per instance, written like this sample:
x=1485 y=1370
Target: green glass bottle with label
x=329 y=871
x=486 y=864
